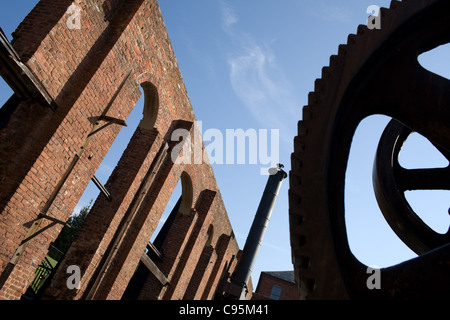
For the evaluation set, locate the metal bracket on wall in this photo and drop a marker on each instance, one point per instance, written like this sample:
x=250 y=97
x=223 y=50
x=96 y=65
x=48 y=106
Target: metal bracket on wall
x=153 y=251
x=153 y=268
x=109 y=121
x=102 y=188
x=34 y=232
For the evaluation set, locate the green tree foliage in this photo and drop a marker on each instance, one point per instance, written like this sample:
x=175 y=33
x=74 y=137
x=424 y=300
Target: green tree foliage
x=67 y=235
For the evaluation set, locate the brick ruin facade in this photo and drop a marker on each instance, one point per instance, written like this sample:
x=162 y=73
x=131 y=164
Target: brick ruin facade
x=84 y=84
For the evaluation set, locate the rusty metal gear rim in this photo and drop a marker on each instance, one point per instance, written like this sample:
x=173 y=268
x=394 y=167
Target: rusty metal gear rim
x=361 y=81
x=391 y=181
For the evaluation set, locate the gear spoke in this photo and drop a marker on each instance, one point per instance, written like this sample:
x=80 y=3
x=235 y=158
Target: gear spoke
x=422 y=179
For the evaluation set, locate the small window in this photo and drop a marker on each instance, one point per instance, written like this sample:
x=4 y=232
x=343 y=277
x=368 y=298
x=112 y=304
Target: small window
x=276 y=292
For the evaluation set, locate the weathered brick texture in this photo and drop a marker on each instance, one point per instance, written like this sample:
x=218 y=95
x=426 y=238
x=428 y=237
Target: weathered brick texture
x=45 y=152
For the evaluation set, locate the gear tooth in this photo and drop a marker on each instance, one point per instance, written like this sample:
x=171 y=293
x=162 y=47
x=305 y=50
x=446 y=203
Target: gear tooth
x=318 y=85
x=296 y=217
x=307 y=113
x=300 y=241
x=294 y=198
x=299 y=147
x=361 y=29
x=297 y=221
x=304 y=262
x=302 y=131
x=312 y=98
x=351 y=39
x=394 y=4
x=334 y=60
x=297 y=163
x=295 y=180
x=326 y=73
x=383 y=11
x=342 y=50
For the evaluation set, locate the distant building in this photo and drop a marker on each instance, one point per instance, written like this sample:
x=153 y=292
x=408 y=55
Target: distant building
x=276 y=285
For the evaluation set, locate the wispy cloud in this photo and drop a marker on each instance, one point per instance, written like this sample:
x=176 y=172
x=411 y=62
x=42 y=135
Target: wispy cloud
x=257 y=79
x=260 y=85
x=229 y=17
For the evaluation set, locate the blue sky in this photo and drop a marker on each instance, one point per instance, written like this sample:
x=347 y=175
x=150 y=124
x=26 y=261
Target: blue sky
x=250 y=64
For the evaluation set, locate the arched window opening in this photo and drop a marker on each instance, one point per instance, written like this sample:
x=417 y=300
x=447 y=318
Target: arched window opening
x=151 y=106
x=143 y=116
x=180 y=202
x=187 y=194
x=112 y=158
x=169 y=214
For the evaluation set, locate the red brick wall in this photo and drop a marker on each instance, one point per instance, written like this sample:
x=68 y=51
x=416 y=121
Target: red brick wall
x=82 y=71
x=266 y=283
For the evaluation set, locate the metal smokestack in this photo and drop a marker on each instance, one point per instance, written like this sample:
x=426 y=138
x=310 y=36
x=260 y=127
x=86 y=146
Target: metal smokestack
x=244 y=268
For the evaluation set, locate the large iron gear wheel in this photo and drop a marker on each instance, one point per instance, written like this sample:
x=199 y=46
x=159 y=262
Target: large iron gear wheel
x=377 y=72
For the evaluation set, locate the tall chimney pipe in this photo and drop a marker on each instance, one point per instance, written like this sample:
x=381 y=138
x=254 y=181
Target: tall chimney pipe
x=244 y=268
